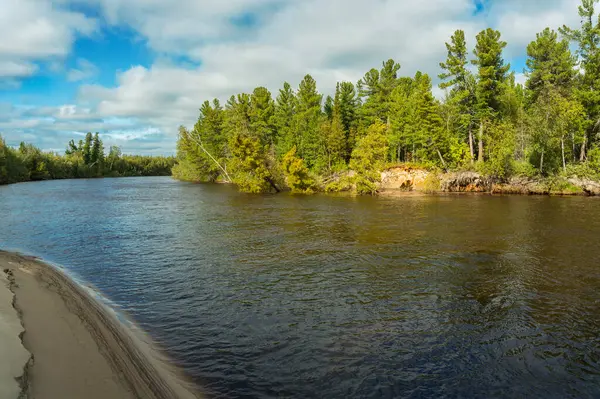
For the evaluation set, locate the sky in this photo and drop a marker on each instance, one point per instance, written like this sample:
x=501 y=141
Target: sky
x=135 y=70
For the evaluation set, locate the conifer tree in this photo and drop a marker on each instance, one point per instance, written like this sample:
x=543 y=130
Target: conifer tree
x=587 y=37
x=307 y=122
x=462 y=84
x=549 y=63
x=87 y=149
x=284 y=115
x=261 y=114
x=491 y=76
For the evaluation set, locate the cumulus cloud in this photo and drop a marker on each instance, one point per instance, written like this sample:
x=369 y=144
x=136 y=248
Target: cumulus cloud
x=237 y=45
x=36 y=30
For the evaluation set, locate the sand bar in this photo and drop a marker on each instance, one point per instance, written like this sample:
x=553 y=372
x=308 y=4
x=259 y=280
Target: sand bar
x=77 y=348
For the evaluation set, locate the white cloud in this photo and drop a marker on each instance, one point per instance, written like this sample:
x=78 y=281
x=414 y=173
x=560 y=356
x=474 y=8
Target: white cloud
x=334 y=40
x=84 y=71
x=14 y=69
x=520 y=78
x=519 y=21
x=34 y=28
x=331 y=39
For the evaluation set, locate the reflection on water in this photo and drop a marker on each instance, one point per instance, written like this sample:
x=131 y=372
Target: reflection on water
x=324 y=296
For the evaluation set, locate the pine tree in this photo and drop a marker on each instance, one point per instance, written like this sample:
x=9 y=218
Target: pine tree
x=285 y=110
x=549 y=63
x=261 y=113
x=462 y=85
x=376 y=88
x=334 y=137
x=587 y=38
x=97 y=155
x=307 y=122
x=297 y=175
x=328 y=107
x=87 y=149
x=348 y=106
x=368 y=158
x=491 y=76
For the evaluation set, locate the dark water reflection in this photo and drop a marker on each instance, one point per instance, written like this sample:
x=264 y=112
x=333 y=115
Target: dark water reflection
x=335 y=297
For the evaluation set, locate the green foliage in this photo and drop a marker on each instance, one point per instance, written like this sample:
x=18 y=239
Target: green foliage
x=492 y=72
x=550 y=63
x=368 y=159
x=307 y=123
x=501 y=139
x=594 y=159
x=524 y=169
x=462 y=98
x=249 y=165
x=340 y=184
x=587 y=38
x=296 y=174
x=29 y=163
x=432 y=183
x=549 y=125
x=285 y=109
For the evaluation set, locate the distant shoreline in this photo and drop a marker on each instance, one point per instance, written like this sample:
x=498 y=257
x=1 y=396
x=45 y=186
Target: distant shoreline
x=78 y=348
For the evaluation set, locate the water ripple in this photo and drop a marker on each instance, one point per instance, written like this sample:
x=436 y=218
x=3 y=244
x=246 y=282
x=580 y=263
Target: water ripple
x=335 y=297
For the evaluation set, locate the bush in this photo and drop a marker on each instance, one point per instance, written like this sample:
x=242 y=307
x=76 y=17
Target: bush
x=524 y=169
x=296 y=174
x=368 y=159
x=432 y=183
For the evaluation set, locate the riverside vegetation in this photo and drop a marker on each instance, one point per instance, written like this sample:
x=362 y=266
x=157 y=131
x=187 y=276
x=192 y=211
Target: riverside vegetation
x=82 y=160
x=544 y=133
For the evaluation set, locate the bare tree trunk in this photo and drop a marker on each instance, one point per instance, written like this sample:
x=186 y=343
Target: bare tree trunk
x=441 y=158
x=471 y=144
x=573 y=144
x=480 y=155
x=583 y=145
x=542 y=163
x=562 y=148
x=199 y=142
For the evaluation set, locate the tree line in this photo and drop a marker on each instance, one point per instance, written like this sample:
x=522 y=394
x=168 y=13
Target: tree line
x=486 y=121
x=84 y=159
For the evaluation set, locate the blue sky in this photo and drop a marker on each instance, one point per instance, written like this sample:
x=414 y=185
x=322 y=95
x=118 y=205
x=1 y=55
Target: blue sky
x=134 y=70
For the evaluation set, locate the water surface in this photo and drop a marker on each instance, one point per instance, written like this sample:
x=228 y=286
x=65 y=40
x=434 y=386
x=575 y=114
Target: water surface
x=335 y=297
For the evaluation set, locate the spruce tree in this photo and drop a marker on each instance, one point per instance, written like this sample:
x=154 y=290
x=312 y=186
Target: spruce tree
x=285 y=110
x=549 y=63
x=307 y=122
x=87 y=149
x=491 y=76
x=457 y=77
x=261 y=114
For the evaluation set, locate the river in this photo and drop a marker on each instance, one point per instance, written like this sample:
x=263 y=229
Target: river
x=335 y=296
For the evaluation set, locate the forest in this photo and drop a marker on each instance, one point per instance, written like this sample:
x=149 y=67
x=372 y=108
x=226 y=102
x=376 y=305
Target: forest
x=486 y=122
x=84 y=159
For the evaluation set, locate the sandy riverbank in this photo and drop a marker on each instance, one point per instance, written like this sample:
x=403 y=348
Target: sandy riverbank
x=78 y=349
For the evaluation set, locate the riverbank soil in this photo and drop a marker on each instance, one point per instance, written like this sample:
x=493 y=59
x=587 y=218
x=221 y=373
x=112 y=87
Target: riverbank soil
x=78 y=349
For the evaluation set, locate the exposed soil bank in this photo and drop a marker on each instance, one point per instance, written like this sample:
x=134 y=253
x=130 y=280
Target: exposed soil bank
x=401 y=180
x=78 y=348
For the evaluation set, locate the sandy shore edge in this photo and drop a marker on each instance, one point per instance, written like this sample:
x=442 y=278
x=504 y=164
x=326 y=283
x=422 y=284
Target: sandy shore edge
x=78 y=348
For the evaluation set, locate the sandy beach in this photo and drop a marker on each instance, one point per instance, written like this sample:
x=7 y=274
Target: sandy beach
x=68 y=345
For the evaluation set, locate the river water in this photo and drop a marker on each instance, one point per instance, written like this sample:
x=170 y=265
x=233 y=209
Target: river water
x=333 y=296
